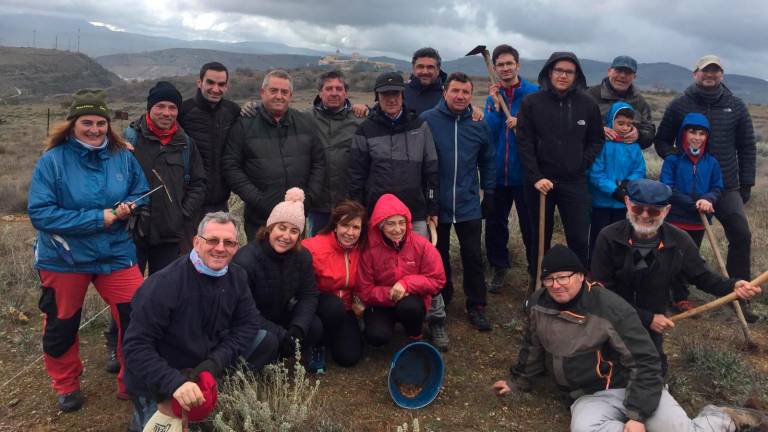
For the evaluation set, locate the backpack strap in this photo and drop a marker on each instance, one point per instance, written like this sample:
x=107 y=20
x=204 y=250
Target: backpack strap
x=130 y=135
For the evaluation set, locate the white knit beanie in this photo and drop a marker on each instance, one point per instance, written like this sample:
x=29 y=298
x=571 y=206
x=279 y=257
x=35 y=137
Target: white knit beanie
x=291 y=210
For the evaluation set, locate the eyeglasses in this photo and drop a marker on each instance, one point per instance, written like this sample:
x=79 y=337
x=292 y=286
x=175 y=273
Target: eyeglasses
x=561 y=280
x=229 y=244
x=506 y=64
x=652 y=211
x=564 y=72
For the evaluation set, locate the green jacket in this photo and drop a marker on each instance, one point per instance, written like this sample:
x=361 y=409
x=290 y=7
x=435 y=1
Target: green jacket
x=335 y=131
x=594 y=342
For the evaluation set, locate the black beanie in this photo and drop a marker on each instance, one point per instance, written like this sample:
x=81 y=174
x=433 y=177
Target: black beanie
x=560 y=258
x=163 y=91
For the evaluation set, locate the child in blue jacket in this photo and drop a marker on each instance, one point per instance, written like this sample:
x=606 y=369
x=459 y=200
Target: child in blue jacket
x=615 y=165
x=696 y=181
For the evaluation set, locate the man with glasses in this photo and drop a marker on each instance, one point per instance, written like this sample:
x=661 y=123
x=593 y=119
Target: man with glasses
x=194 y=316
x=732 y=143
x=642 y=257
x=617 y=86
x=559 y=134
x=589 y=340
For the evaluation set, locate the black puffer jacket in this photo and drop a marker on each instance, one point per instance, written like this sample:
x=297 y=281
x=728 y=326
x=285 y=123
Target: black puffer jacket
x=676 y=259
x=209 y=126
x=263 y=159
x=167 y=220
x=420 y=98
x=731 y=140
x=559 y=136
x=282 y=285
x=395 y=157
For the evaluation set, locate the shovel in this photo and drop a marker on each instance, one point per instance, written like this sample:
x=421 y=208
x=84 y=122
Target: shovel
x=480 y=49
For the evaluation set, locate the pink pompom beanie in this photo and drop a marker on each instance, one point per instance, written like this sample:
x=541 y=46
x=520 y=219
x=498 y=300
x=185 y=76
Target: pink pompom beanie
x=291 y=210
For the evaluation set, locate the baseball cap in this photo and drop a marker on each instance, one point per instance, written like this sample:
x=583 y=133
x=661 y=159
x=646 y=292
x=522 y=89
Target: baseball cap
x=625 y=62
x=389 y=81
x=706 y=61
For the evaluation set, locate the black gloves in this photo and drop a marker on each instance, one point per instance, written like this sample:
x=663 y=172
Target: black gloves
x=620 y=192
x=487 y=205
x=288 y=344
x=745 y=192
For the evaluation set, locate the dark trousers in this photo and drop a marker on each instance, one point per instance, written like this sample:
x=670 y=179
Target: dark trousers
x=497 y=227
x=380 y=320
x=574 y=203
x=341 y=332
x=469 y=233
x=729 y=210
x=601 y=218
x=680 y=290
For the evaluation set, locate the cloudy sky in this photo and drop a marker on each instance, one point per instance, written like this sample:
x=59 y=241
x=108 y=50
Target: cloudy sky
x=676 y=31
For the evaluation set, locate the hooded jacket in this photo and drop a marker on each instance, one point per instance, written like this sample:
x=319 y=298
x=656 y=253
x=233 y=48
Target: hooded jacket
x=420 y=98
x=691 y=177
x=209 y=126
x=264 y=159
x=676 y=258
x=606 y=96
x=617 y=161
x=593 y=343
x=732 y=138
x=464 y=147
x=396 y=157
x=168 y=220
x=70 y=188
x=335 y=130
x=335 y=267
x=509 y=171
x=559 y=135
x=415 y=263
x=282 y=285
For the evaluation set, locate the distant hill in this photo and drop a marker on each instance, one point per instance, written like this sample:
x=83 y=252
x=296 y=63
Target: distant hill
x=42 y=72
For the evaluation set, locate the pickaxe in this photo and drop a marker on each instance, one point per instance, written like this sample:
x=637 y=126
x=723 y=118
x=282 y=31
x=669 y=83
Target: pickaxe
x=760 y=280
x=162 y=186
x=480 y=49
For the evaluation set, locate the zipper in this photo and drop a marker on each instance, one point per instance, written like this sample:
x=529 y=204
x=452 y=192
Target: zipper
x=455 y=162
x=346 y=270
x=506 y=140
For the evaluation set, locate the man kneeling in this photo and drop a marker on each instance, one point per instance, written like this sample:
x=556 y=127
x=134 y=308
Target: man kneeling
x=196 y=315
x=594 y=346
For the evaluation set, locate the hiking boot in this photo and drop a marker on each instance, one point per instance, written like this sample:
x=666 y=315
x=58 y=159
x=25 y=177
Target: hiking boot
x=113 y=365
x=749 y=314
x=747 y=419
x=71 y=401
x=478 y=319
x=683 y=305
x=439 y=335
x=497 y=281
x=317 y=360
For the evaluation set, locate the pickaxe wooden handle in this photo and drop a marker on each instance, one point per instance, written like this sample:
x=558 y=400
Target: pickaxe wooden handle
x=760 y=280
x=542 y=225
x=432 y=232
x=492 y=77
x=724 y=271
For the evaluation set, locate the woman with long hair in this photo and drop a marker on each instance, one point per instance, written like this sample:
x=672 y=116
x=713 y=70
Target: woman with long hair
x=83 y=190
x=335 y=253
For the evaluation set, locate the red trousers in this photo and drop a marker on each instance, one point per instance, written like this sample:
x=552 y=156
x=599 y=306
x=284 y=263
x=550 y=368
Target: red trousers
x=62 y=302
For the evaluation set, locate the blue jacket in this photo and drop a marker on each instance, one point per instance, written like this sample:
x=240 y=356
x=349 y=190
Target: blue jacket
x=70 y=188
x=509 y=171
x=689 y=180
x=463 y=147
x=617 y=161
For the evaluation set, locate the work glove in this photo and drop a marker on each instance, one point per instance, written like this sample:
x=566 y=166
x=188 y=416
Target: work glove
x=745 y=192
x=620 y=192
x=249 y=109
x=486 y=206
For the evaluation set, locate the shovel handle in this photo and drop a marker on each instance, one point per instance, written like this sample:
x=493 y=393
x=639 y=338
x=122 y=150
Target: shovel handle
x=760 y=280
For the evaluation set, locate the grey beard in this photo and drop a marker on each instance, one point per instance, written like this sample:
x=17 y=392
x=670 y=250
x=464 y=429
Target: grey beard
x=643 y=230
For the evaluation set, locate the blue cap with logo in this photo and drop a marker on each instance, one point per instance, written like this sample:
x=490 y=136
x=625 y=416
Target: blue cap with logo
x=624 y=62
x=649 y=192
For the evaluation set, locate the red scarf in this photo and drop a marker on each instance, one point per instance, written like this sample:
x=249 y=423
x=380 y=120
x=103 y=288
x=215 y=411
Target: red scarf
x=165 y=136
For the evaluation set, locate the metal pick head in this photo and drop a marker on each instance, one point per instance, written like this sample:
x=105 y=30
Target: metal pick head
x=476 y=50
x=165 y=188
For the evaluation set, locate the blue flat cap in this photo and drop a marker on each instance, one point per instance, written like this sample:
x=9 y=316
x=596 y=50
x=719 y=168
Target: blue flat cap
x=625 y=62
x=649 y=192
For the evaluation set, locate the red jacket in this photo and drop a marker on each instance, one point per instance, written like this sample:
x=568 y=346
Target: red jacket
x=335 y=267
x=417 y=265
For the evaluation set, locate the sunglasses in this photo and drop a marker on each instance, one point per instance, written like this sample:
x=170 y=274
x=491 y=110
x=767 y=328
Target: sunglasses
x=638 y=209
x=229 y=244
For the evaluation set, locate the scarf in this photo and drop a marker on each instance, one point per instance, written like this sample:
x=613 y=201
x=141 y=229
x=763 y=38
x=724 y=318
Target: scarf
x=204 y=269
x=165 y=136
x=90 y=147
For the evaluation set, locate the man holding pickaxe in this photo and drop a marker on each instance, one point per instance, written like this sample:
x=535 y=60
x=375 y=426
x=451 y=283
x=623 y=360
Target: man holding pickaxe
x=642 y=257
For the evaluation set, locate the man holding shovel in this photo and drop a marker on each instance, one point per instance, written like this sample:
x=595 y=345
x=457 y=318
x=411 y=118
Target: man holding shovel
x=559 y=134
x=642 y=257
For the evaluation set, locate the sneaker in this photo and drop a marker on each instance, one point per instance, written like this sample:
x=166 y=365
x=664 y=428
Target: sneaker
x=749 y=314
x=478 y=319
x=747 y=419
x=71 y=401
x=683 y=305
x=439 y=335
x=112 y=366
x=317 y=361
x=497 y=281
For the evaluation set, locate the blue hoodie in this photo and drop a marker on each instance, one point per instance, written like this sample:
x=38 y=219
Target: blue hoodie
x=617 y=161
x=691 y=177
x=463 y=147
x=509 y=171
